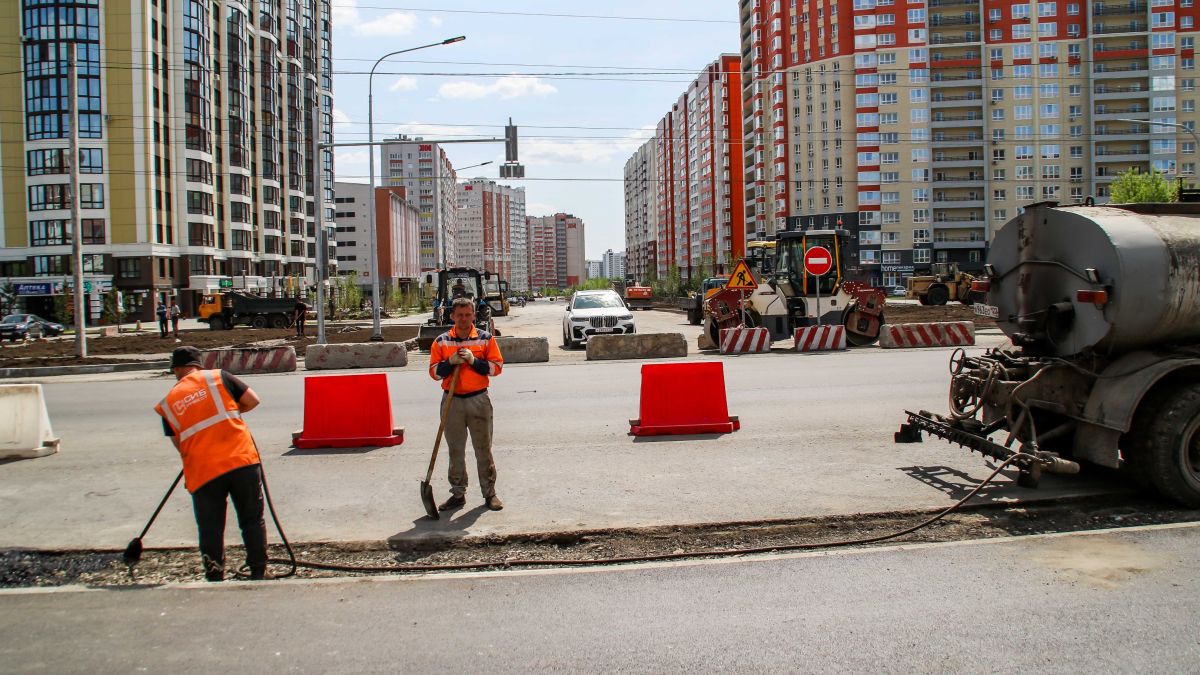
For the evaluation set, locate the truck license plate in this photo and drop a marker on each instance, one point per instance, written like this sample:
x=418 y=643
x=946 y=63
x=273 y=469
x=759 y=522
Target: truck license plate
x=986 y=310
x=604 y=330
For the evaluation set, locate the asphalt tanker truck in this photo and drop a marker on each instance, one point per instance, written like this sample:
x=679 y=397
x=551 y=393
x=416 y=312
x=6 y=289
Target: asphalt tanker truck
x=1102 y=307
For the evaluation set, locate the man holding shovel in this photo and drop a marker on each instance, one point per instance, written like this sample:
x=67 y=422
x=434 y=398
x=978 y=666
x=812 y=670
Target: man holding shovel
x=477 y=357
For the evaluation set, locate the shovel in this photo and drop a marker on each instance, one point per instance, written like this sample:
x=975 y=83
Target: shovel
x=133 y=552
x=427 y=489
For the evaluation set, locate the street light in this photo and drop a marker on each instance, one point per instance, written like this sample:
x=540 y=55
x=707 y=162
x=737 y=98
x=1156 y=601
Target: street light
x=377 y=332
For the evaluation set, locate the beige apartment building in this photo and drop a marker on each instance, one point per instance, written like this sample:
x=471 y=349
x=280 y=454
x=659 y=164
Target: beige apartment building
x=492 y=231
x=195 y=125
x=921 y=127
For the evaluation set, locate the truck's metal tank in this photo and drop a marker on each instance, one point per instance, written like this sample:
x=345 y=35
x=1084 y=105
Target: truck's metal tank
x=1146 y=256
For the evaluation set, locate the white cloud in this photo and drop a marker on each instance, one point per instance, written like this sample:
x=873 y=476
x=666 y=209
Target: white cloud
x=540 y=209
x=344 y=13
x=435 y=21
x=350 y=165
x=509 y=86
x=404 y=83
x=415 y=128
x=388 y=25
x=582 y=151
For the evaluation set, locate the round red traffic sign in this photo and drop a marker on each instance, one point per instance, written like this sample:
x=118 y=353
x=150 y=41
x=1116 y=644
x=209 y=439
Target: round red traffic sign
x=818 y=261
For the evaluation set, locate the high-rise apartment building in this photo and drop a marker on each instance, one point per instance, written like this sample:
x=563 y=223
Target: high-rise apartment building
x=491 y=227
x=556 y=255
x=195 y=122
x=924 y=125
x=595 y=269
x=425 y=172
x=683 y=188
x=612 y=264
x=398 y=233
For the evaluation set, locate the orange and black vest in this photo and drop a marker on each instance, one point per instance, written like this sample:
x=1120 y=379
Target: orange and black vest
x=481 y=344
x=213 y=439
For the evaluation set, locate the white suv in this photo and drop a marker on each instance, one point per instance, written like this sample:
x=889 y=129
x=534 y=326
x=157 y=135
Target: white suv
x=595 y=313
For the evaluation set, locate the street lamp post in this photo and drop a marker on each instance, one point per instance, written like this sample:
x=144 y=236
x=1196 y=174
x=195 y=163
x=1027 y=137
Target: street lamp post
x=376 y=331
x=1177 y=125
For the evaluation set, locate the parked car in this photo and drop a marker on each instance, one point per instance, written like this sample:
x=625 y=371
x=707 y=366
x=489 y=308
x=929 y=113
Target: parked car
x=16 y=326
x=595 y=313
x=897 y=291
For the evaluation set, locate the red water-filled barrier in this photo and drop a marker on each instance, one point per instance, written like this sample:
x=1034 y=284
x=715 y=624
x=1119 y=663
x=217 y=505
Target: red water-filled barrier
x=683 y=398
x=347 y=411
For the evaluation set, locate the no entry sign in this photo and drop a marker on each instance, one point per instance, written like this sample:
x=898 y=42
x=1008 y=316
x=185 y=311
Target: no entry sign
x=818 y=261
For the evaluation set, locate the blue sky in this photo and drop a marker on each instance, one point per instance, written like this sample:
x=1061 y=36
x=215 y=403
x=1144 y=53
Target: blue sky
x=471 y=88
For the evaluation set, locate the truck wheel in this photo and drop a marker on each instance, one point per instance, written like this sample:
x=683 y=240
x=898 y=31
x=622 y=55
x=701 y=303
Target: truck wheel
x=216 y=323
x=1165 y=444
x=278 y=321
x=938 y=295
x=259 y=321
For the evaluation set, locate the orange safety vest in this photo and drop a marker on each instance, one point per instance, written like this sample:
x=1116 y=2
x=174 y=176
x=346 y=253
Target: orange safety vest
x=481 y=344
x=213 y=439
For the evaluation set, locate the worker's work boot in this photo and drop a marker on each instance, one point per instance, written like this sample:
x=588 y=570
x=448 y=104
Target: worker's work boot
x=455 y=502
x=494 y=503
x=260 y=575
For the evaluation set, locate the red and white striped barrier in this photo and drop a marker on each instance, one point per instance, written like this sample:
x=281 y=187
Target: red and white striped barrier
x=251 y=360
x=948 y=334
x=743 y=340
x=820 y=338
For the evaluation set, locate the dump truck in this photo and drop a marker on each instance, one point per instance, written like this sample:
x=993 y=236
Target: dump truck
x=695 y=304
x=789 y=298
x=945 y=283
x=638 y=297
x=1102 y=306
x=442 y=288
x=226 y=310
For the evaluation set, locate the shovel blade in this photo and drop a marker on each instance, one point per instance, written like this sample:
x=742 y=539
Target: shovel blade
x=427 y=499
x=133 y=552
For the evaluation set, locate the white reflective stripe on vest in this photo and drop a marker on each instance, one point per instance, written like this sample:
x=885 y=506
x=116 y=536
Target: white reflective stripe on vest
x=220 y=416
x=165 y=405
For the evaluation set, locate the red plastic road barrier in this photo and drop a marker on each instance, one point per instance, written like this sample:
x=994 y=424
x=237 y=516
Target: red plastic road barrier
x=820 y=338
x=743 y=340
x=683 y=398
x=347 y=411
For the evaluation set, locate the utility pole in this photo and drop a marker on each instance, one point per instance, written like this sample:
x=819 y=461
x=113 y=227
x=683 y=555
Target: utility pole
x=319 y=189
x=76 y=234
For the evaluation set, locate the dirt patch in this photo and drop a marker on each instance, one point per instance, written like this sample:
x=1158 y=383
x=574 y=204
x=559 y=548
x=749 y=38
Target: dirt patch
x=896 y=313
x=61 y=351
x=105 y=568
x=43 y=361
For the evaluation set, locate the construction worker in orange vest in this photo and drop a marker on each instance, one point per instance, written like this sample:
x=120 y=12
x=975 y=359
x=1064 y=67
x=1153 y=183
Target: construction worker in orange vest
x=202 y=414
x=477 y=356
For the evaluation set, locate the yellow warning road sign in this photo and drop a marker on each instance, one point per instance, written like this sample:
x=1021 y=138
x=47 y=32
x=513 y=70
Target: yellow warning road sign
x=741 y=279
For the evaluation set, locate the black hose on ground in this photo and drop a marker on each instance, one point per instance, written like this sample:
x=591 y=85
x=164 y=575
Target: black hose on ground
x=294 y=563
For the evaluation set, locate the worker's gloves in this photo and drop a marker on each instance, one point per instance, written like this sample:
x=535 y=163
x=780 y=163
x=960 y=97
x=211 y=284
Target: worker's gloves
x=465 y=354
x=455 y=360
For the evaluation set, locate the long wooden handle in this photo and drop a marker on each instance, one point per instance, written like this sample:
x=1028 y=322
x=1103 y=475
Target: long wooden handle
x=442 y=425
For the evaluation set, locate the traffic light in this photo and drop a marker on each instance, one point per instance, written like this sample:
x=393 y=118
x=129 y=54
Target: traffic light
x=510 y=142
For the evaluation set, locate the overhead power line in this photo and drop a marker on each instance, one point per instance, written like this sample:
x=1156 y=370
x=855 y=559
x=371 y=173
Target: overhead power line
x=555 y=15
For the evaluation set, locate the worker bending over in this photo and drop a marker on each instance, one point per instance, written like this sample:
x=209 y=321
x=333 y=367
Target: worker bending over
x=203 y=416
x=477 y=356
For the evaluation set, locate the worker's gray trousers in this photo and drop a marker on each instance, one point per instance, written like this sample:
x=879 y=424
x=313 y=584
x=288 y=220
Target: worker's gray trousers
x=472 y=414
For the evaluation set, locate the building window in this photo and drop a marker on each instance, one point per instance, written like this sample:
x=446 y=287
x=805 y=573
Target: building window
x=47 y=265
x=91 y=196
x=920 y=256
x=46 y=162
x=921 y=236
x=48 y=233
x=93 y=230
x=129 y=268
x=200 y=234
x=50 y=30
x=199 y=203
x=47 y=197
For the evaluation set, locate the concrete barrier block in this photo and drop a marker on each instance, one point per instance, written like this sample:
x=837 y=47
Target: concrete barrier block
x=251 y=360
x=820 y=338
x=25 y=430
x=636 y=346
x=356 y=355
x=108 y=331
x=524 y=349
x=703 y=341
x=743 y=340
x=946 y=334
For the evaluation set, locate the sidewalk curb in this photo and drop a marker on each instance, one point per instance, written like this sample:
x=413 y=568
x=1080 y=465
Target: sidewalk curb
x=93 y=369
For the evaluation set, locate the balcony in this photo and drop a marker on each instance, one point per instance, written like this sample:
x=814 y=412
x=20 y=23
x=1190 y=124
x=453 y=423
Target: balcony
x=941 y=101
x=1119 y=8
x=953 y=3
x=959 y=242
x=967 y=201
x=968 y=161
x=941 y=220
x=955 y=79
x=967 y=19
x=1136 y=153
x=957 y=140
x=1106 y=71
x=959 y=39
x=1110 y=29
x=956 y=121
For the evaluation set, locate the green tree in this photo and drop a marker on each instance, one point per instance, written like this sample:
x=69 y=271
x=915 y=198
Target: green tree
x=350 y=295
x=8 y=298
x=113 y=311
x=1134 y=187
x=64 y=308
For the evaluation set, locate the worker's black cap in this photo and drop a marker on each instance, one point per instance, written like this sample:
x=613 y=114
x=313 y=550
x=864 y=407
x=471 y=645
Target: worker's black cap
x=186 y=356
